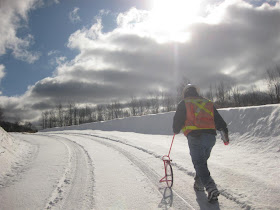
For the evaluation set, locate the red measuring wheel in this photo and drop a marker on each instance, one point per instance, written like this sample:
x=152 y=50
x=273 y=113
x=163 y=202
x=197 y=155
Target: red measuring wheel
x=168 y=178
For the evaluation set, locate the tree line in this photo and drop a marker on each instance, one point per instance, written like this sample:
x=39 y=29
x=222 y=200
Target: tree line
x=222 y=94
x=73 y=114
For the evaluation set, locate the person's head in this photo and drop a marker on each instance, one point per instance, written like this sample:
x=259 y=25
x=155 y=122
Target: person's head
x=190 y=91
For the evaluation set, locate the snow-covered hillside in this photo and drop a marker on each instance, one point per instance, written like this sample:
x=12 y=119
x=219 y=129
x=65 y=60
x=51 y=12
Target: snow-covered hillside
x=12 y=151
x=121 y=163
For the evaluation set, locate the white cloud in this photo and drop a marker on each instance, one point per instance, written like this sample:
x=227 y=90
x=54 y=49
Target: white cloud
x=57 y=61
x=11 y=15
x=53 y=52
x=61 y=60
x=104 y=12
x=101 y=14
x=74 y=16
x=2 y=72
x=242 y=36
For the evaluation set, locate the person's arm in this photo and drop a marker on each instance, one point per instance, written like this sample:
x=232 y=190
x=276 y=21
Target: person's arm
x=179 y=117
x=219 y=121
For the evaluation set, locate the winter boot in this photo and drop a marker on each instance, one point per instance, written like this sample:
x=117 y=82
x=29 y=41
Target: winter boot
x=213 y=195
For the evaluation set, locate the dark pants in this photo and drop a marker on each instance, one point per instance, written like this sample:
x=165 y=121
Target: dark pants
x=200 y=150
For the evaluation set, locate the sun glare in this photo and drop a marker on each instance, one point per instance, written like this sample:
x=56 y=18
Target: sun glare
x=172 y=17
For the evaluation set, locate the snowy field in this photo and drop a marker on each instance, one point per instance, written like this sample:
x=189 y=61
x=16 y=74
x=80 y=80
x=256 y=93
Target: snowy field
x=117 y=165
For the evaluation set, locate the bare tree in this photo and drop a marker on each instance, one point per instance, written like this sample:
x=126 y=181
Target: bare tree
x=100 y=116
x=87 y=114
x=184 y=82
x=82 y=115
x=209 y=94
x=236 y=96
x=133 y=106
x=75 y=115
x=141 y=107
x=60 y=115
x=169 y=102
x=117 y=109
x=52 y=119
x=222 y=93
x=273 y=82
x=92 y=112
x=43 y=122
x=109 y=111
x=155 y=102
x=45 y=119
x=113 y=110
x=147 y=105
x=70 y=114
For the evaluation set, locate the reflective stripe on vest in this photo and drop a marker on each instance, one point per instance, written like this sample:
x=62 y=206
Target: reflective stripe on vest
x=193 y=127
x=200 y=115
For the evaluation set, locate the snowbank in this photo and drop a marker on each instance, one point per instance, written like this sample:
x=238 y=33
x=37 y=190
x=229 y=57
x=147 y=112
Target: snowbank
x=255 y=128
x=259 y=121
x=11 y=153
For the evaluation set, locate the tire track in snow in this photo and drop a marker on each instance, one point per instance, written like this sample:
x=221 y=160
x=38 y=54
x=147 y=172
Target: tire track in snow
x=180 y=202
x=75 y=188
x=224 y=192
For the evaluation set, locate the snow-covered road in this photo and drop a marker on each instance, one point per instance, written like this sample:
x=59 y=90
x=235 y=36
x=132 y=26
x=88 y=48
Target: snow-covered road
x=102 y=170
x=58 y=172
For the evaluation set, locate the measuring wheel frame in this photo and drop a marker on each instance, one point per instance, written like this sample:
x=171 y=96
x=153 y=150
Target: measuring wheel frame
x=168 y=178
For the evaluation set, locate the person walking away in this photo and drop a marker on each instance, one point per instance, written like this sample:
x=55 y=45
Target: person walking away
x=198 y=119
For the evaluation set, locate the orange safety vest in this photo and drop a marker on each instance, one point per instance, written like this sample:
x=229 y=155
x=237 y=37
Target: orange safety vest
x=200 y=115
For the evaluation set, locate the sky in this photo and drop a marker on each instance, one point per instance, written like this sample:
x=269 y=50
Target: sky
x=61 y=51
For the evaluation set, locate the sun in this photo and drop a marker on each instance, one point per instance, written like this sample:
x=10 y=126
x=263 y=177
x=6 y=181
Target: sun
x=172 y=17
